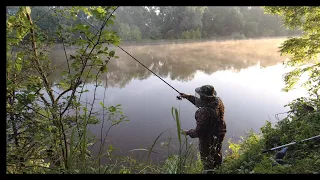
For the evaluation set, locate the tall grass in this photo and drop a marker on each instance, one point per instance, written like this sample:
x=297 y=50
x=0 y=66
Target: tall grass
x=185 y=160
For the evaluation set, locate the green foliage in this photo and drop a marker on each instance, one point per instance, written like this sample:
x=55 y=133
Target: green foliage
x=135 y=23
x=124 y=31
x=129 y=33
x=176 y=22
x=135 y=33
x=304 y=50
x=246 y=157
x=39 y=125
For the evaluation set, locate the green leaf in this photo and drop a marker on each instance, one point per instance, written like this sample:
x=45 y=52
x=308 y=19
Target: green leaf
x=100 y=10
x=64 y=85
x=104 y=68
x=18 y=66
x=112 y=109
x=18 y=61
x=11 y=19
x=111 y=53
x=100 y=52
x=31 y=97
x=111 y=148
x=86 y=10
x=102 y=105
x=12 y=40
x=82 y=27
x=116 y=42
x=9 y=82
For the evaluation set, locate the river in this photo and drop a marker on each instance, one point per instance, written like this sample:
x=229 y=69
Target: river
x=247 y=75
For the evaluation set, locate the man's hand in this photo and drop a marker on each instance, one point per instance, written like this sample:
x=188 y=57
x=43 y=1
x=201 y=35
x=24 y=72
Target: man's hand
x=185 y=132
x=184 y=95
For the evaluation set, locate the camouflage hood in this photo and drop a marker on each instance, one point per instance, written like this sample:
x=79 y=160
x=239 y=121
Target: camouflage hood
x=206 y=91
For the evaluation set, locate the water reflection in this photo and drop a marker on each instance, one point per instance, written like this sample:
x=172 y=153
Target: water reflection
x=181 y=61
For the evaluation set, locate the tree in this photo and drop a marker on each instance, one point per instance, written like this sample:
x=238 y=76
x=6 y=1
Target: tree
x=192 y=18
x=39 y=123
x=234 y=21
x=171 y=18
x=135 y=33
x=304 y=50
x=124 y=31
x=214 y=21
x=154 y=23
x=250 y=29
x=167 y=22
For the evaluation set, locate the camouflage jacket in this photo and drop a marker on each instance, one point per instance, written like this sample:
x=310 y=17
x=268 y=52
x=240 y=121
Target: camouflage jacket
x=210 y=119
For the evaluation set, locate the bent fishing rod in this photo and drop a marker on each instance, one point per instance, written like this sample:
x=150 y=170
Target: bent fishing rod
x=178 y=97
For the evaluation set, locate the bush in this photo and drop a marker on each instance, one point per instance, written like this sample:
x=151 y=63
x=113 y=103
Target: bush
x=247 y=157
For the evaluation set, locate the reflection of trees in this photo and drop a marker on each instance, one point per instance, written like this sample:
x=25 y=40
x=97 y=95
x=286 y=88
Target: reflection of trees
x=181 y=61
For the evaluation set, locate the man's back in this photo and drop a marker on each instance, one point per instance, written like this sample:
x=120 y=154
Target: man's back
x=211 y=115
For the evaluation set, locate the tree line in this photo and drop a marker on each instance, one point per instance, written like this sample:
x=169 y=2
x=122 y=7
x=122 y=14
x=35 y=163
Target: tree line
x=135 y=23
x=178 y=22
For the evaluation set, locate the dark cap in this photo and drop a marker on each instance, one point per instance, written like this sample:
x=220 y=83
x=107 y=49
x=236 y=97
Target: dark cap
x=206 y=90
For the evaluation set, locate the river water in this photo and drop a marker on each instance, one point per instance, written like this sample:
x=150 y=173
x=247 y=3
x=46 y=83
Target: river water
x=246 y=74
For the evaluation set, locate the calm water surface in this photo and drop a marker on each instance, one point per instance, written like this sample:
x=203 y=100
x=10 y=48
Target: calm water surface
x=247 y=76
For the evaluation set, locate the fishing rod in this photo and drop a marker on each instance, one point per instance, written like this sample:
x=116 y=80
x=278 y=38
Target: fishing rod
x=292 y=143
x=178 y=97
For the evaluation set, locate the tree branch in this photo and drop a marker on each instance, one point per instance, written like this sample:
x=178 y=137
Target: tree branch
x=39 y=68
x=86 y=60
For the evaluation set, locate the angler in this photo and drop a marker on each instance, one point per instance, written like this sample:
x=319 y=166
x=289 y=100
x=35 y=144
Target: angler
x=211 y=127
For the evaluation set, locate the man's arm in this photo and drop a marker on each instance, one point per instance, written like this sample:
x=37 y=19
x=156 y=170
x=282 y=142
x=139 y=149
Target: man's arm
x=202 y=117
x=195 y=133
x=191 y=98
